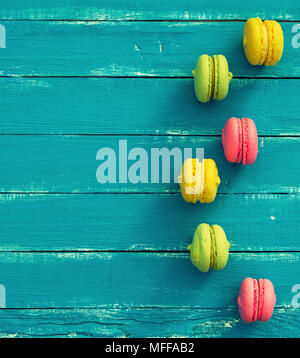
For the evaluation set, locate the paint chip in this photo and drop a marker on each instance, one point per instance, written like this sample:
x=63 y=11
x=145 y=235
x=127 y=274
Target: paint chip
x=160 y=47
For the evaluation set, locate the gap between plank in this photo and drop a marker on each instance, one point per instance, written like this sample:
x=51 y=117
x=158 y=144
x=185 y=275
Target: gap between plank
x=129 y=193
x=137 y=251
x=141 y=135
x=120 y=308
x=139 y=20
x=145 y=77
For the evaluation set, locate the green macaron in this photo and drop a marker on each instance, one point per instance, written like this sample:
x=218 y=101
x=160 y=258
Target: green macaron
x=211 y=78
x=210 y=248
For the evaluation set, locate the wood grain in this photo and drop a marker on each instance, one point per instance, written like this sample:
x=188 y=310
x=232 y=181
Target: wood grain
x=169 y=49
x=139 y=323
x=145 y=222
x=143 y=9
x=94 y=280
x=146 y=106
x=68 y=164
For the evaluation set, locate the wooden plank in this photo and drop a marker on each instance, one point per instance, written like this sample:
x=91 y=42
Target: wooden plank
x=142 y=9
x=86 y=280
x=133 y=323
x=145 y=222
x=76 y=48
x=146 y=106
x=68 y=164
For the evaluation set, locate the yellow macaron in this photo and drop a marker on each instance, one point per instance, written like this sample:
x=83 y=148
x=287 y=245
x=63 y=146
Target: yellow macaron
x=263 y=41
x=199 y=181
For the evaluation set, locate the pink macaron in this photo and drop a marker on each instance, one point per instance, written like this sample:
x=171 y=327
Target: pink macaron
x=239 y=138
x=256 y=300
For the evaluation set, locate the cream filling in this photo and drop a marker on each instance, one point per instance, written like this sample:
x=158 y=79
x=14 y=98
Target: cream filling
x=213 y=75
x=197 y=182
x=200 y=185
x=256 y=296
x=258 y=300
x=212 y=248
x=267 y=44
x=195 y=187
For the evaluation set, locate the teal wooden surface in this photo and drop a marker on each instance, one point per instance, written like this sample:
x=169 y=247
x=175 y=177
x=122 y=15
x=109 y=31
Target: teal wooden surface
x=257 y=222
x=143 y=9
x=81 y=259
x=132 y=323
x=68 y=164
x=168 y=49
x=151 y=106
x=105 y=279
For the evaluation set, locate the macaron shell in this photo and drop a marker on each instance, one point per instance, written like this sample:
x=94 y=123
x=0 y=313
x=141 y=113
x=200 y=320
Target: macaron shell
x=232 y=140
x=221 y=247
x=248 y=300
x=250 y=141
x=190 y=180
x=200 y=248
x=203 y=82
x=275 y=42
x=267 y=300
x=222 y=77
x=211 y=181
x=255 y=41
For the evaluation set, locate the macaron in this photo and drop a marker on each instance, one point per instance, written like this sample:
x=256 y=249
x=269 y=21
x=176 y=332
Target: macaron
x=211 y=78
x=240 y=142
x=263 y=42
x=199 y=181
x=256 y=300
x=209 y=248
